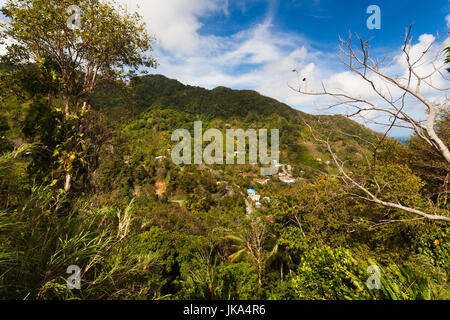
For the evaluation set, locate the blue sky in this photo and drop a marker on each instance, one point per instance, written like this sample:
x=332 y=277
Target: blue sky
x=319 y=23
x=324 y=20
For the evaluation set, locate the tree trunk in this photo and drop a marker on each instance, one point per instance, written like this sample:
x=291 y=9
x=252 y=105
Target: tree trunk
x=66 y=102
x=66 y=108
x=437 y=142
x=49 y=99
x=85 y=106
x=281 y=271
x=260 y=273
x=67 y=184
x=440 y=146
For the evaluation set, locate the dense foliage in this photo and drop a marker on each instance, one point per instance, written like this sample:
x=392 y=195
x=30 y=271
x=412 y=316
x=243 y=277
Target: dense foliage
x=141 y=227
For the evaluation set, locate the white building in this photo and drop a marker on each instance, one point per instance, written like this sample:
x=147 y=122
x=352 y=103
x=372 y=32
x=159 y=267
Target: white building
x=288 y=180
x=261 y=181
x=255 y=197
x=276 y=164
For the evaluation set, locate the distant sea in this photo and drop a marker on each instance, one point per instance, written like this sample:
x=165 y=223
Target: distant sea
x=404 y=140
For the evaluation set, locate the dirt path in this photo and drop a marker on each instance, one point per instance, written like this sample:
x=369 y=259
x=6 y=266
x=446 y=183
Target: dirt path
x=160 y=188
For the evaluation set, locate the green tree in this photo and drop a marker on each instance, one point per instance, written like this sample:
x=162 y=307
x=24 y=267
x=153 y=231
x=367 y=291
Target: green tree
x=107 y=41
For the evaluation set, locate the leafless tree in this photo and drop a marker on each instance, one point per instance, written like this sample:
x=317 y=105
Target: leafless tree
x=393 y=99
x=392 y=91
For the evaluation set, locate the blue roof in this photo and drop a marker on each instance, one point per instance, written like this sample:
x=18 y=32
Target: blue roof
x=251 y=191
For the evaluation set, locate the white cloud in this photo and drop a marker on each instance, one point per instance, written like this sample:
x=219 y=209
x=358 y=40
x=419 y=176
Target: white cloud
x=175 y=22
x=447 y=18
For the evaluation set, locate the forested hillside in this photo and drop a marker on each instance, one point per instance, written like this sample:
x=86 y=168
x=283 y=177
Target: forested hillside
x=165 y=105
x=87 y=180
x=119 y=222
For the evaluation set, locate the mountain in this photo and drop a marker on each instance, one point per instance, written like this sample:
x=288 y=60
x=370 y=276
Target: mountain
x=154 y=106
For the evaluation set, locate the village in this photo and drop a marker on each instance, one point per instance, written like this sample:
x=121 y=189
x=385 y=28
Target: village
x=253 y=200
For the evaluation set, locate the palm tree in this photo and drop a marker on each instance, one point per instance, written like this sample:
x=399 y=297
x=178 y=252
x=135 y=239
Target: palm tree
x=251 y=243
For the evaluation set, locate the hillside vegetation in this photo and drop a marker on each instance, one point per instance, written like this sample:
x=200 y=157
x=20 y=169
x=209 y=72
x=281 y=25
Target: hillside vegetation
x=87 y=182
x=119 y=225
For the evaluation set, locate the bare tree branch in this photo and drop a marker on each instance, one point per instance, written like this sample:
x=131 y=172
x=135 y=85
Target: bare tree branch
x=367 y=194
x=391 y=91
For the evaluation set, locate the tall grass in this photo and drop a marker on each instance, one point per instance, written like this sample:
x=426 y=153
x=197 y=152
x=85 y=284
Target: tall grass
x=38 y=242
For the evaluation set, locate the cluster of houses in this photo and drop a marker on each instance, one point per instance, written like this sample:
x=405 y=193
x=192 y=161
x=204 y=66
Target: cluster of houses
x=286 y=178
x=252 y=195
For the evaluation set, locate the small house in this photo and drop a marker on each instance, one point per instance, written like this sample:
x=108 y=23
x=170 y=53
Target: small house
x=288 y=180
x=276 y=164
x=254 y=197
x=261 y=181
